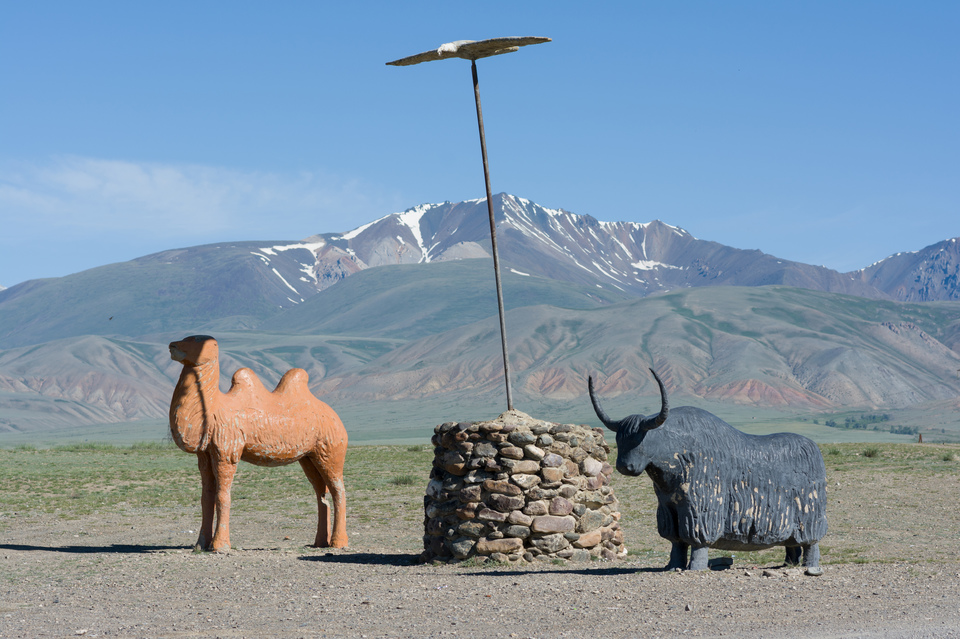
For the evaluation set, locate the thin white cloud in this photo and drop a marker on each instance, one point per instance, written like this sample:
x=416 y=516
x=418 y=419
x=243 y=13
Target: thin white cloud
x=186 y=200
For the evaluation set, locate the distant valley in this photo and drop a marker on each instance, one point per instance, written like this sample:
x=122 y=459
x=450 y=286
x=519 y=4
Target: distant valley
x=396 y=324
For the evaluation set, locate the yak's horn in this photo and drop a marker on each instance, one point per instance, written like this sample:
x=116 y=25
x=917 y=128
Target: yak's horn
x=609 y=423
x=664 y=405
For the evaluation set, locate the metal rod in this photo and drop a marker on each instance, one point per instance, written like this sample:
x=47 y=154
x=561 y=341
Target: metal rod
x=493 y=236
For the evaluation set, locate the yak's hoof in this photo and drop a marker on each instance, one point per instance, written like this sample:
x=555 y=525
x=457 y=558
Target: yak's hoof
x=720 y=563
x=814 y=571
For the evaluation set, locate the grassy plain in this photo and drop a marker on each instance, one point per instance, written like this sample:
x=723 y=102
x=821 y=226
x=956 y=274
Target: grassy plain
x=410 y=422
x=877 y=491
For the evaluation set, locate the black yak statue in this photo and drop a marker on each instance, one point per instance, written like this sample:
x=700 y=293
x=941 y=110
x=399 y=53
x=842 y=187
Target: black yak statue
x=718 y=487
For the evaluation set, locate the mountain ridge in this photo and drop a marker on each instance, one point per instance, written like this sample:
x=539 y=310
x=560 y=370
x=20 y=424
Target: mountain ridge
x=636 y=258
x=232 y=285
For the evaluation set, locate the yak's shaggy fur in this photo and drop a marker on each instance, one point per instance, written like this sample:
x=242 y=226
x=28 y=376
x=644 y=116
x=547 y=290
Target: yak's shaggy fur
x=718 y=487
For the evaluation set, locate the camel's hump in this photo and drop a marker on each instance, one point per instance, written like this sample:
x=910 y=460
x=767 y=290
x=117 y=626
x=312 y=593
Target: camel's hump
x=293 y=381
x=245 y=378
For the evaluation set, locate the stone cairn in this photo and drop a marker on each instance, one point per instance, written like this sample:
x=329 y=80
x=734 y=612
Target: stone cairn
x=519 y=489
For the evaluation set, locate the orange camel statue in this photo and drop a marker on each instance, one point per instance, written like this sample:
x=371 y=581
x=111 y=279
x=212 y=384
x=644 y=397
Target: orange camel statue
x=250 y=423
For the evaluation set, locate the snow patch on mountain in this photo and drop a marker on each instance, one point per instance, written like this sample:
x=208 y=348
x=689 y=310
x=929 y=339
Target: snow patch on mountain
x=277 y=273
x=623 y=247
x=647 y=265
x=349 y=235
x=889 y=257
x=309 y=269
x=313 y=247
x=532 y=231
x=411 y=219
x=604 y=271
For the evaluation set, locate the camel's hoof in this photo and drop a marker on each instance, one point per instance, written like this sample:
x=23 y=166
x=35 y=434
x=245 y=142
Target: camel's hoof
x=336 y=542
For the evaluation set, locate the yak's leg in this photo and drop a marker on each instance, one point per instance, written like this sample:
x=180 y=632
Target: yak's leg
x=322 y=539
x=225 y=470
x=811 y=560
x=698 y=558
x=793 y=556
x=678 y=556
x=208 y=499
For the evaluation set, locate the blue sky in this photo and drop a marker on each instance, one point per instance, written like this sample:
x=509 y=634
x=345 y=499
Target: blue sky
x=822 y=132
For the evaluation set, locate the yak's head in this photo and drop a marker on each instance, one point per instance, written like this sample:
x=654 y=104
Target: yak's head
x=632 y=459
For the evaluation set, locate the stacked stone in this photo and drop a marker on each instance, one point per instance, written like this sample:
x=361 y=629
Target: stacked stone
x=519 y=489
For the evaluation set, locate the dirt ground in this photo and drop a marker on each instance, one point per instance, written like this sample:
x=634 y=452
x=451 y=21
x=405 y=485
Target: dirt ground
x=99 y=584
x=891 y=570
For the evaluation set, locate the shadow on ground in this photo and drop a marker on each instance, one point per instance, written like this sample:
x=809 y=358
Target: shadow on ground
x=497 y=570
x=120 y=549
x=369 y=558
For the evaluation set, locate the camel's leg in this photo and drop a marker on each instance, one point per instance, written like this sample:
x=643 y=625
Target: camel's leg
x=322 y=539
x=339 y=495
x=332 y=473
x=208 y=498
x=225 y=470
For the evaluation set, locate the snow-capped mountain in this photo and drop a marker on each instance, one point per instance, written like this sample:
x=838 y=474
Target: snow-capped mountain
x=239 y=285
x=637 y=259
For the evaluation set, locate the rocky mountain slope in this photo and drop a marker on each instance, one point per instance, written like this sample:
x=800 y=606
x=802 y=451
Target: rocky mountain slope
x=921 y=276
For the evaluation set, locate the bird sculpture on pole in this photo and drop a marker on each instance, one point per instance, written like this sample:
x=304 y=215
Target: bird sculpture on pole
x=473 y=50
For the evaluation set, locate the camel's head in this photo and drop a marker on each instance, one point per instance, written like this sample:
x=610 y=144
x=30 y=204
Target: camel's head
x=194 y=350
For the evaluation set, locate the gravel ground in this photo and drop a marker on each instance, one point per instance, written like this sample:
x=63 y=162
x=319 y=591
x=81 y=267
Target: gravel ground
x=87 y=577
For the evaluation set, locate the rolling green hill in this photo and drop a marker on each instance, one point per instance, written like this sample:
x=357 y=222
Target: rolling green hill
x=780 y=355
x=175 y=290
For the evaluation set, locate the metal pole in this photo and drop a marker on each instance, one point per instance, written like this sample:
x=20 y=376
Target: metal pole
x=493 y=236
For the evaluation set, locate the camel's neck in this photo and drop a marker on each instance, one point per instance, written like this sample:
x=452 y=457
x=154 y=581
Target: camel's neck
x=195 y=403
